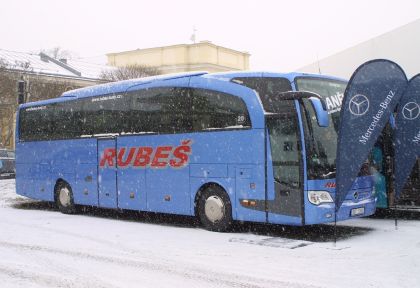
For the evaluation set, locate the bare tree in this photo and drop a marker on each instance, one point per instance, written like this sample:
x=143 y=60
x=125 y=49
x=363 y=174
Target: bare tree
x=3 y=64
x=129 y=72
x=40 y=89
x=58 y=53
x=7 y=102
x=37 y=88
x=7 y=83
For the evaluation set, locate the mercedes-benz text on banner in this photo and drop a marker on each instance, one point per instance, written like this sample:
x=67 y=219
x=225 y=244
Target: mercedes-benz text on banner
x=407 y=133
x=371 y=96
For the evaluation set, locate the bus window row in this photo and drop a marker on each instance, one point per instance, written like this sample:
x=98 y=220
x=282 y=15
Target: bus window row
x=155 y=110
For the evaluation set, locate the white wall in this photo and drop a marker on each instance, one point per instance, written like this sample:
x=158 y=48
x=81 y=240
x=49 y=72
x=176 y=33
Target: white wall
x=401 y=45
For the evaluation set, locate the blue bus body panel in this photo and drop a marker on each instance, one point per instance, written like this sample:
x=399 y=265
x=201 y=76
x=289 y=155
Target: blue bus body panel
x=107 y=177
x=325 y=212
x=173 y=190
x=42 y=163
x=85 y=186
x=163 y=189
x=173 y=184
x=131 y=182
x=132 y=189
x=234 y=164
x=244 y=149
x=84 y=154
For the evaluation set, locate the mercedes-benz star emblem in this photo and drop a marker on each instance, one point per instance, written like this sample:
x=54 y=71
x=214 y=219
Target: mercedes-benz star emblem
x=356 y=195
x=359 y=105
x=411 y=110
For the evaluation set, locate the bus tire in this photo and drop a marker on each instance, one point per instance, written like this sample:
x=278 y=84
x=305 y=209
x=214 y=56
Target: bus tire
x=64 y=198
x=215 y=209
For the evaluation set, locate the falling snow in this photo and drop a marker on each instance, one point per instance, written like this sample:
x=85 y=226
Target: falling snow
x=40 y=247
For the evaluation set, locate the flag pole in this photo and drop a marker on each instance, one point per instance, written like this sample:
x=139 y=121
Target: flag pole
x=395 y=212
x=394 y=194
x=335 y=224
x=395 y=216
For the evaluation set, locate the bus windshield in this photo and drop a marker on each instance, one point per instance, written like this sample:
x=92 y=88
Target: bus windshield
x=321 y=142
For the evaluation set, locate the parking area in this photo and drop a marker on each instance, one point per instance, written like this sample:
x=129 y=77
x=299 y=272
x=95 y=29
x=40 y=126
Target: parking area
x=41 y=247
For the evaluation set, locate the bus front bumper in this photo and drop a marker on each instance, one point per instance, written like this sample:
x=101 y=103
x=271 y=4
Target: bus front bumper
x=325 y=213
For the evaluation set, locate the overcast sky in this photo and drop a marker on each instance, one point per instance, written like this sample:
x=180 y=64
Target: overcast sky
x=279 y=35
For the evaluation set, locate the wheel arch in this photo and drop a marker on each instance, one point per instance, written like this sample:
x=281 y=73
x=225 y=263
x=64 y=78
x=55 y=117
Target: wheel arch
x=57 y=183
x=203 y=187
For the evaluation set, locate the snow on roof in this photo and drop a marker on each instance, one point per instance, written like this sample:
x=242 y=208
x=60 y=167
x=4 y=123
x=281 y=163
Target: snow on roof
x=88 y=70
x=228 y=75
x=43 y=64
x=120 y=86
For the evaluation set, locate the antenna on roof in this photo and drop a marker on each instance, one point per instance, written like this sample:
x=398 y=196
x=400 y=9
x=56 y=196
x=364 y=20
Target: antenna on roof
x=319 y=66
x=194 y=35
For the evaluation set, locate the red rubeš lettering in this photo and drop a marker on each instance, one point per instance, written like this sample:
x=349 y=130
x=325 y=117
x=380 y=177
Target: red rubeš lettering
x=146 y=156
x=127 y=161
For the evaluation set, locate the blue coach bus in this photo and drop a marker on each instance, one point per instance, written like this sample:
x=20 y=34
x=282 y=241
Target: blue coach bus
x=242 y=146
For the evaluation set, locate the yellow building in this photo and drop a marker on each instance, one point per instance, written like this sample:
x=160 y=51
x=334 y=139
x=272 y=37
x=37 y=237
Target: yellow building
x=202 y=56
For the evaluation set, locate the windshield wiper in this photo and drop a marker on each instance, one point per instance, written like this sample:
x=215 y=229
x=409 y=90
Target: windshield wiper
x=331 y=173
x=286 y=184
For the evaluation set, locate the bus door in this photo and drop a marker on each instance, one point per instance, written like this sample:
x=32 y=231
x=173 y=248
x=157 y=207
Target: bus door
x=285 y=201
x=107 y=172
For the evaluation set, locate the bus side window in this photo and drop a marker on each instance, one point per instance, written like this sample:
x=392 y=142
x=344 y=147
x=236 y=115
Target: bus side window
x=35 y=124
x=160 y=110
x=64 y=120
x=217 y=110
x=105 y=114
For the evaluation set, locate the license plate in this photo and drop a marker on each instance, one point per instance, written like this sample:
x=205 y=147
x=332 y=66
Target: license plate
x=358 y=211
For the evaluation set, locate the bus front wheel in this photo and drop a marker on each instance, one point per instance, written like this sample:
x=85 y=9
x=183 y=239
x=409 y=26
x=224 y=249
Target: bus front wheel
x=215 y=209
x=64 y=198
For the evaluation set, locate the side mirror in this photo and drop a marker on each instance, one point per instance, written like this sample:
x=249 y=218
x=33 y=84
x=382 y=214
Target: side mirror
x=317 y=103
x=320 y=110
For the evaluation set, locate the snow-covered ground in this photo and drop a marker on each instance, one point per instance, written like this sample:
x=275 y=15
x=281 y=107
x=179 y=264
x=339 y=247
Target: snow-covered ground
x=40 y=247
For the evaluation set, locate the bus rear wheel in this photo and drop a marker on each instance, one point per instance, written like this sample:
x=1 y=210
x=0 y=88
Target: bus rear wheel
x=215 y=209
x=64 y=198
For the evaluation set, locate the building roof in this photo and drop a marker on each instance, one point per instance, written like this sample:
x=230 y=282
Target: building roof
x=46 y=65
x=401 y=45
x=184 y=57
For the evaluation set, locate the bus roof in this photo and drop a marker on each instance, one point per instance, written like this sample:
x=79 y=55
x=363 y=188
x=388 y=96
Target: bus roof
x=290 y=76
x=109 y=88
x=122 y=86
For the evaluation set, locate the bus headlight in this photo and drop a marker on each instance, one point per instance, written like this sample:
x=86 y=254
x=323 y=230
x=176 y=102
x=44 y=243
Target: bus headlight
x=319 y=197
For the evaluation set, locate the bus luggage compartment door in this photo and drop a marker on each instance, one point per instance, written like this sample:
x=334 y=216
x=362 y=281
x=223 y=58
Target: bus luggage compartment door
x=107 y=173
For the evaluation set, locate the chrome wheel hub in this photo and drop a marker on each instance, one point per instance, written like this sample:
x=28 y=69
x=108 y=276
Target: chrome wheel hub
x=214 y=209
x=64 y=197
